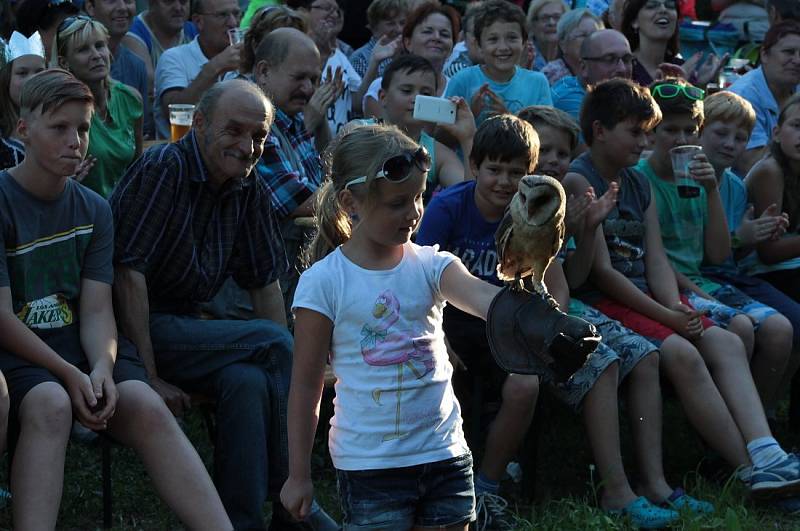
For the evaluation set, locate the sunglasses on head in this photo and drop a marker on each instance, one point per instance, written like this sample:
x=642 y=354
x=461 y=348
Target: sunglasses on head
x=671 y=90
x=69 y=21
x=398 y=168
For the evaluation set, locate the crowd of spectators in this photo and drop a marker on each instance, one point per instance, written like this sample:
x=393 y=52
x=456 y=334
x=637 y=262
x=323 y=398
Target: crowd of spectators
x=143 y=270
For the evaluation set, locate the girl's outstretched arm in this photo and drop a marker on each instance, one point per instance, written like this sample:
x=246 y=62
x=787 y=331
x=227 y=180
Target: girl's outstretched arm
x=465 y=291
x=312 y=340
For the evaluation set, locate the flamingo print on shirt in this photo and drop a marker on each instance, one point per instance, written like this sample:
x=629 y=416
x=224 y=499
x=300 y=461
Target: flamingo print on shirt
x=383 y=346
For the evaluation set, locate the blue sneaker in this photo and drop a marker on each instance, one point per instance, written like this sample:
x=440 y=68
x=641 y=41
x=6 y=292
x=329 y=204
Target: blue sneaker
x=780 y=479
x=644 y=515
x=680 y=501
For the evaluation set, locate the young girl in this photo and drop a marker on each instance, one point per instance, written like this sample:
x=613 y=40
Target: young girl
x=115 y=138
x=21 y=58
x=775 y=180
x=374 y=305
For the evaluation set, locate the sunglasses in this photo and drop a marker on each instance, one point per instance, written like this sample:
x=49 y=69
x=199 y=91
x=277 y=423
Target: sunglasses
x=69 y=21
x=398 y=168
x=670 y=90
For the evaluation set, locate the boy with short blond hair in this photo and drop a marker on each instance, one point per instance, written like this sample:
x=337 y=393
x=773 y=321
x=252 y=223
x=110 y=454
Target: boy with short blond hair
x=59 y=347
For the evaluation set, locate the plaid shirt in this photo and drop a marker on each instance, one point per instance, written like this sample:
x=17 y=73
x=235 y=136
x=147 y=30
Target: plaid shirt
x=185 y=236
x=360 y=59
x=291 y=172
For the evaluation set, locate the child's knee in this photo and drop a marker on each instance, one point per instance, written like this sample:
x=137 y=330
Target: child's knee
x=647 y=366
x=742 y=326
x=681 y=359
x=141 y=406
x=47 y=409
x=521 y=390
x=776 y=329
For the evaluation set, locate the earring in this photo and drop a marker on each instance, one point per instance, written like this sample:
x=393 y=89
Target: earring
x=354 y=218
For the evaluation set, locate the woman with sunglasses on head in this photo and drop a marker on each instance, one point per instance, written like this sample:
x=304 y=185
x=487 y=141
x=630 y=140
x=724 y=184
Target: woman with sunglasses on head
x=115 y=137
x=543 y=17
x=20 y=58
x=651 y=27
x=372 y=303
x=769 y=87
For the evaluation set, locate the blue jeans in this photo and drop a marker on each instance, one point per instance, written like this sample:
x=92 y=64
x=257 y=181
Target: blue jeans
x=246 y=366
x=438 y=494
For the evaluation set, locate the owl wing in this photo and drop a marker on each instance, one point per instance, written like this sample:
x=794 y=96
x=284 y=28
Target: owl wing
x=502 y=239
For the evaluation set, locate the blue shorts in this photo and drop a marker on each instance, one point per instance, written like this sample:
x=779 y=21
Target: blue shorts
x=438 y=494
x=729 y=303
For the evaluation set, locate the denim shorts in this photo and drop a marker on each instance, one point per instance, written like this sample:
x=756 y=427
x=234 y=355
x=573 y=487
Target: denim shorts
x=438 y=494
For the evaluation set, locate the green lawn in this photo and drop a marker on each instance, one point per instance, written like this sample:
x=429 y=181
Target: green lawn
x=563 y=483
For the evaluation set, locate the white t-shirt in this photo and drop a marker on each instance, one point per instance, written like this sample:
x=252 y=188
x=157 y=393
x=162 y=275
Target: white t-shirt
x=176 y=68
x=394 y=404
x=341 y=111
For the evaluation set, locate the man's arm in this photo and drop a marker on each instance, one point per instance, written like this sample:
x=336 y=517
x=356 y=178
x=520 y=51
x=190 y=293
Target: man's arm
x=225 y=61
x=268 y=303
x=133 y=308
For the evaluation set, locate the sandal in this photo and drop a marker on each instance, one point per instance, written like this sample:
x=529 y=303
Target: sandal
x=680 y=501
x=644 y=515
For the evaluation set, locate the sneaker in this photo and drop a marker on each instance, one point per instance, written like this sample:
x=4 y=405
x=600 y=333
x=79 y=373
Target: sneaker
x=642 y=514
x=780 y=479
x=788 y=506
x=490 y=510
x=680 y=501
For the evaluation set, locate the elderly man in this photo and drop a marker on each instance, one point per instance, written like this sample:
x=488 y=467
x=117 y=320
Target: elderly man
x=185 y=72
x=187 y=216
x=126 y=67
x=605 y=54
x=288 y=69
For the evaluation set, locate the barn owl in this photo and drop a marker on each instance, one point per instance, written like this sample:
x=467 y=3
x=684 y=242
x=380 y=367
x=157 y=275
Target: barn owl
x=531 y=232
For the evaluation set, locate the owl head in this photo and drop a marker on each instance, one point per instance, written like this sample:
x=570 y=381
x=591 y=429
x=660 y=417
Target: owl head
x=540 y=200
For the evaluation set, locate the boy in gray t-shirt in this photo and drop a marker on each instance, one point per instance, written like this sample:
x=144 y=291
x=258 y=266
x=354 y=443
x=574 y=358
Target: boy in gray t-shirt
x=58 y=340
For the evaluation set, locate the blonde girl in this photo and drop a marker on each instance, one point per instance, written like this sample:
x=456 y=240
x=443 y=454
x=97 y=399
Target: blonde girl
x=372 y=302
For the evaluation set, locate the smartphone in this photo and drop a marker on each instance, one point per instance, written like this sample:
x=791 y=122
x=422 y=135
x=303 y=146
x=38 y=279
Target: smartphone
x=432 y=109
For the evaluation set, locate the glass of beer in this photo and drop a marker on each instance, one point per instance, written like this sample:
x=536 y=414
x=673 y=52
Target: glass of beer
x=681 y=159
x=180 y=120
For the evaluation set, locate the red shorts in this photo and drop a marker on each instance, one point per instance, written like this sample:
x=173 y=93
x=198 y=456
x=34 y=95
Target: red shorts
x=641 y=324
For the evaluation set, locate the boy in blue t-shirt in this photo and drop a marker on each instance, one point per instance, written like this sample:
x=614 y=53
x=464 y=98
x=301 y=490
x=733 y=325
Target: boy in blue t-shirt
x=59 y=347
x=462 y=219
x=498 y=85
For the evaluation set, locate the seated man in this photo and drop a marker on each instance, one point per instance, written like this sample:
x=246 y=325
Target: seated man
x=605 y=54
x=60 y=350
x=287 y=70
x=185 y=72
x=187 y=216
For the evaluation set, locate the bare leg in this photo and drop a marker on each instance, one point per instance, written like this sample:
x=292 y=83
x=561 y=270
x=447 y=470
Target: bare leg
x=742 y=326
x=143 y=422
x=510 y=424
x=644 y=409
x=601 y=417
x=771 y=357
x=701 y=400
x=728 y=365
x=37 y=472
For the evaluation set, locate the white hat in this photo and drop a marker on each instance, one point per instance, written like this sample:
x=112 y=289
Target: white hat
x=18 y=45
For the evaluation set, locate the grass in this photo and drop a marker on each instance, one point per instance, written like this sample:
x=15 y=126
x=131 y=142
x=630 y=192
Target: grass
x=564 y=484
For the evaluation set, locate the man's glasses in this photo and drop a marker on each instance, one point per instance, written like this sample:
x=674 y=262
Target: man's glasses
x=655 y=4
x=398 y=168
x=667 y=91
x=222 y=16
x=611 y=59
